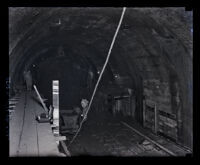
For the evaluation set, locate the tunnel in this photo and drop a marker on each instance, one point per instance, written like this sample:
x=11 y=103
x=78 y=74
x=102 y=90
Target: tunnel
x=150 y=64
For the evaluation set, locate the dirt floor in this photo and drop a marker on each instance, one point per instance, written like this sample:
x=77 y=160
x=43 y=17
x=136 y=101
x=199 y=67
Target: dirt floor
x=104 y=135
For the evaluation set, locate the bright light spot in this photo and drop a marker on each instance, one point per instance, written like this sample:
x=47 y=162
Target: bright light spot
x=59 y=22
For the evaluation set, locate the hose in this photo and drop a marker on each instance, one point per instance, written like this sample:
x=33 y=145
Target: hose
x=102 y=71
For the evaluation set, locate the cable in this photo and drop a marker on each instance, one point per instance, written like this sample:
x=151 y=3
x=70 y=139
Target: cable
x=108 y=56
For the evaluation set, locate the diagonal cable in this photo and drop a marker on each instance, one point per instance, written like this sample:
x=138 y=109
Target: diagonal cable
x=102 y=71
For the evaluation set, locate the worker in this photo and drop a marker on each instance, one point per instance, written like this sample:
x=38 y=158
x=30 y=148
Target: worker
x=78 y=112
x=84 y=104
x=28 y=80
x=90 y=79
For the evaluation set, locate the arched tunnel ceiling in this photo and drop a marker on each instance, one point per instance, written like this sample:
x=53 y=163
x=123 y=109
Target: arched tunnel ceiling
x=91 y=29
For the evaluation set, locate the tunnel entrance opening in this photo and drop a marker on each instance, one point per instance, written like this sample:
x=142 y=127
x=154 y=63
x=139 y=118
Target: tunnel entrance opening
x=72 y=82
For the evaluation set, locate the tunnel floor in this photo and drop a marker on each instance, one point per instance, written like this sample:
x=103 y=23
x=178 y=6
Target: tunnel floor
x=105 y=135
x=27 y=137
x=102 y=134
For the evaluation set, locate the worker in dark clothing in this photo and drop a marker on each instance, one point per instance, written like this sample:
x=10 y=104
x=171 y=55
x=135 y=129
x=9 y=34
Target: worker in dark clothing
x=84 y=104
x=78 y=112
x=28 y=80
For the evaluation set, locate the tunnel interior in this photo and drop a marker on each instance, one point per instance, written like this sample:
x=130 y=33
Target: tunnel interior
x=151 y=61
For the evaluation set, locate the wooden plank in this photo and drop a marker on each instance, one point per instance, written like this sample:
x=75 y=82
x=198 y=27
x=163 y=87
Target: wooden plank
x=121 y=97
x=27 y=136
x=63 y=145
x=60 y=138
x=15 y=127
x=46 y=140
x=29 y=139
x=55 y=88
x=53 y=126
x=41 y=100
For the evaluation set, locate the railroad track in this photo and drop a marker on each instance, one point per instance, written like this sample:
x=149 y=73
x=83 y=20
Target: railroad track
x=160 y=146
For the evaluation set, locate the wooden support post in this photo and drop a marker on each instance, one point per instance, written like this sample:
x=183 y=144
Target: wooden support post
x=55 y=86
x=144 y=109
x=155 y=119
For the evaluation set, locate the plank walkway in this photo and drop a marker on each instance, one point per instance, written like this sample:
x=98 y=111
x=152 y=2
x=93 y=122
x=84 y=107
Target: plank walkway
x=27 y=137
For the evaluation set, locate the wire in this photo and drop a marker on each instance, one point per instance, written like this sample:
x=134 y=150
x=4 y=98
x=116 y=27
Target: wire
x=102 y=71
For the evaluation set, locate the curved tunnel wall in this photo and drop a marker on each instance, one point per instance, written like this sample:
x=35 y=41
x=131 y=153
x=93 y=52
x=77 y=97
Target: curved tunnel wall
x=148 y=47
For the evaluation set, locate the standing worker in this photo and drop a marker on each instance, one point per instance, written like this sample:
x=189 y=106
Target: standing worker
x=84 y=104
x=28 y=80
